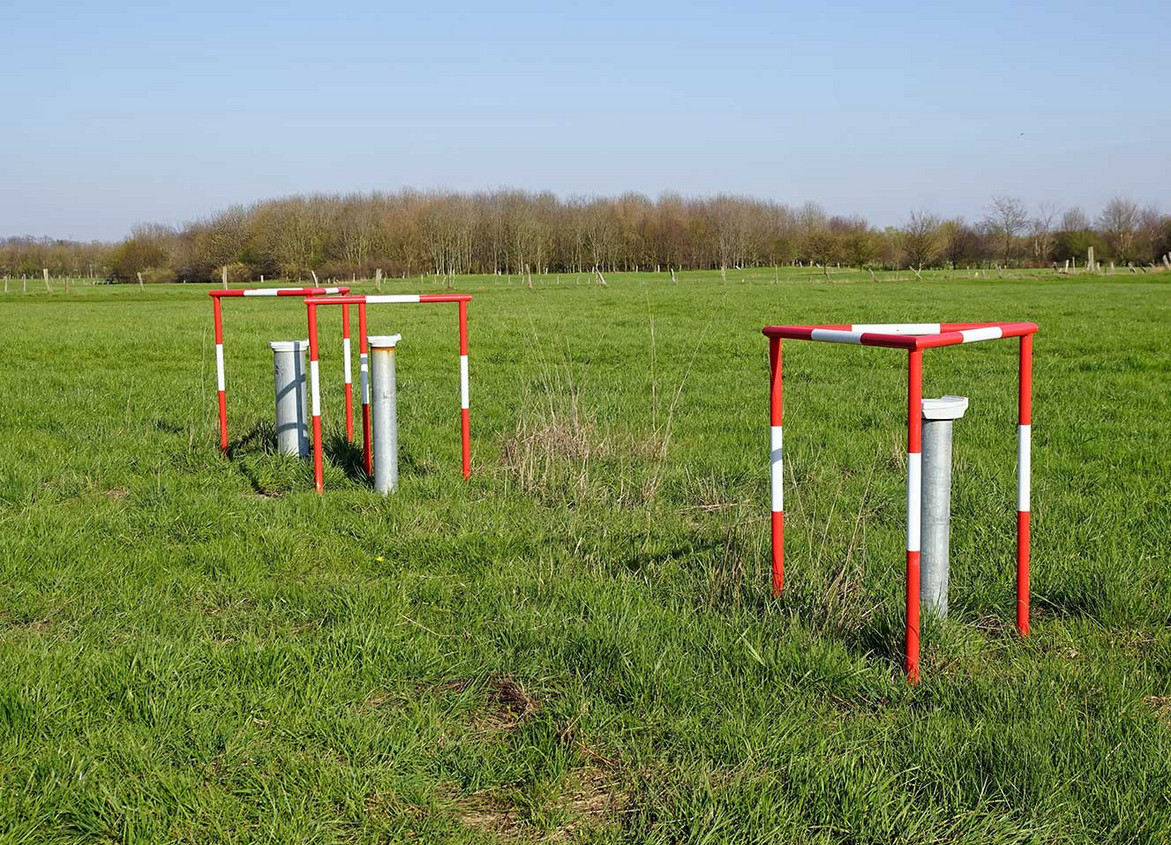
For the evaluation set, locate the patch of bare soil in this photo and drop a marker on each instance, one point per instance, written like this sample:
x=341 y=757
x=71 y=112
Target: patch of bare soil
x=509 y=704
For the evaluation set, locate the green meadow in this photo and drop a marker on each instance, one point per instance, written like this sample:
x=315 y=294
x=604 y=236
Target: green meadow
x=579 y=644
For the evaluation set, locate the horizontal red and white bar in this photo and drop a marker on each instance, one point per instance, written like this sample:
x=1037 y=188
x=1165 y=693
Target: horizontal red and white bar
x=388 y=298
x=903 y=335
x=278 y=292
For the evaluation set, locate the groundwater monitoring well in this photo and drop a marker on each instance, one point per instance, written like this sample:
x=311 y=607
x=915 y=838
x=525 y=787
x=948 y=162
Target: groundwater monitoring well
x=938 y=416
x=292 y=401
x=384 y=411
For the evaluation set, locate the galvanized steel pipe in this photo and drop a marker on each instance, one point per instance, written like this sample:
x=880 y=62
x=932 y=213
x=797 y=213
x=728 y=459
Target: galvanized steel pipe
x=292 y=413
x=938 y=416
x=384 y=411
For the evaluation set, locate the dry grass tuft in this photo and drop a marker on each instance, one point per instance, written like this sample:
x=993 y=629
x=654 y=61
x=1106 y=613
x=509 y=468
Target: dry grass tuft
x=1161 y=705
x=590 y=799
x=551 y=449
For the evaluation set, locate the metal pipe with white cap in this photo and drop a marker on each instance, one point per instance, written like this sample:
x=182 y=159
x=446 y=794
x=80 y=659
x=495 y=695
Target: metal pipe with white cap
x=938 y=416
x=384 y=411
x=292 y=413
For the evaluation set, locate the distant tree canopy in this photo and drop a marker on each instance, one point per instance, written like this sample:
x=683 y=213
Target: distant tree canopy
x=509 y=231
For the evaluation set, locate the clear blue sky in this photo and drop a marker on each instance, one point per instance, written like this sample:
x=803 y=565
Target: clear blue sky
x=119 y=113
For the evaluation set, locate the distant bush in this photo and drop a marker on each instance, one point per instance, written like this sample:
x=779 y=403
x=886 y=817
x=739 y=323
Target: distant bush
x=238 y=274
x=137 y=254
x=157 y=276
x=341 y=271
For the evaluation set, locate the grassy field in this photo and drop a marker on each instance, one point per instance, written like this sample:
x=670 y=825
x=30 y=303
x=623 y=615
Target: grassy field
x=579 y=644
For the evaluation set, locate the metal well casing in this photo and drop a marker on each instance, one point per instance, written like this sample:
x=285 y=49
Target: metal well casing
x=384 y=411
x=938 y=416
x=292 y=411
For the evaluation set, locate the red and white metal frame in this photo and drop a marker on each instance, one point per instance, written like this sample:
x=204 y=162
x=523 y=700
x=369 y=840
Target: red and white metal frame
x=312 y=303
x=914 y=338
x=217 y=308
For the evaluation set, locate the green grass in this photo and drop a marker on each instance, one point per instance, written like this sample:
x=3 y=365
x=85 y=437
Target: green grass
x=579 y=644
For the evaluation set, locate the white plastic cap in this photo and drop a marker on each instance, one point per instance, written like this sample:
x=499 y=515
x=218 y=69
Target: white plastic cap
x=289 y=345
x=383 y=341
x=945 y=408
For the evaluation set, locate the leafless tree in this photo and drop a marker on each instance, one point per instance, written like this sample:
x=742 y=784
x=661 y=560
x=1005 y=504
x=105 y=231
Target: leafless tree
x=1041 y=232
x=921 y=239
x=1119 y=223
x=1075 y=220
x=1005 y=219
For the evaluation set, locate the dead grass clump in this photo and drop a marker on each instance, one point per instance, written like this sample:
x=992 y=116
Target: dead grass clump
x=590 y=799
x=993 y=626
x=1161 y=704
x=551 y=449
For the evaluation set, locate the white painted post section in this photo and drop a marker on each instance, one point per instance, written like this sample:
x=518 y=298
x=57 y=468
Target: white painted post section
x=463 y=382
x=1024 y=466
x=346 y=359
x=219 y=366
x=914 y=499
x=777 y=469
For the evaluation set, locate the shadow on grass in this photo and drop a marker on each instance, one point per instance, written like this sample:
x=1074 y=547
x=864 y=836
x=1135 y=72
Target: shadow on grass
x=731 y=577
x=338 y=452
x=347 y=456
x=262 y=439
x=1072 y=601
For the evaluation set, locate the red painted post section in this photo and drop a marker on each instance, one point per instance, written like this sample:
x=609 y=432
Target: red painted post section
x=219 y=354
x=1024 y=469
x=776 y=465
x=318 y=465
x=914 y=503
x=464 y=412
x=348 y=376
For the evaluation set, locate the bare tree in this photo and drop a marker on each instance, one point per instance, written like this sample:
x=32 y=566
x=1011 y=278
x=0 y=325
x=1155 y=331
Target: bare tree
x=921 y=239
x=1119 y=223
x=1005 y=219
x=1075 y=220
x=1041 y=232
x=357 y=232
x=961 y=243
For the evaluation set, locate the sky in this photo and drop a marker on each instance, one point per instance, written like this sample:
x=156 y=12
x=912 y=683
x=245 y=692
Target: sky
x=124 y=113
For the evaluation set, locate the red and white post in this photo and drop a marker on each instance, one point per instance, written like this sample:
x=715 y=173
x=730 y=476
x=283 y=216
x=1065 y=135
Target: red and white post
x=776 y=465
x=1024 y=472
x=465 y=419
x=315 y=394
x=914 y=506
x=349 y=377
x=219 y=369
x=364 y=372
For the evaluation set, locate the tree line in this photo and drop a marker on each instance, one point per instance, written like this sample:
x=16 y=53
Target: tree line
x=515 y=232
